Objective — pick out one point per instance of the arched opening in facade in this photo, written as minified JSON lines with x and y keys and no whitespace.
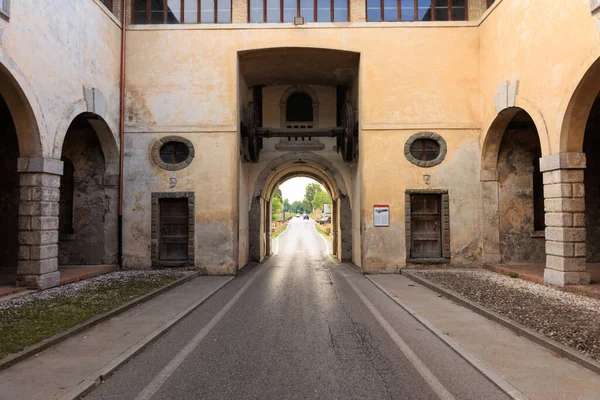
{"x":299,"y":111}
{"x":283,"y":169}
{"x":580,"y":133}
{"x":88,"y":203}
{"x":512,"y":191}
{"x":19,"y":137}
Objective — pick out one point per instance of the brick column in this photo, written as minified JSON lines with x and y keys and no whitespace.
{"x":38,"y":222}
{"x":564,"y":203}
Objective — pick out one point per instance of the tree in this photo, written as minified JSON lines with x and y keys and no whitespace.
{"x":320,"y":199}
{"x":276,"y":207}
{"x":286,"y":206}
{"x":296,"y":207}
{"x":278,"y":194}
{"x":311,"y":190}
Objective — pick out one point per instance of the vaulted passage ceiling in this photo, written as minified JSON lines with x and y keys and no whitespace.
{"x":296,"y":65}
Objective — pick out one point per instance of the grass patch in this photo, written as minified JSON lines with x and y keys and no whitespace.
{"x":30,"y":323}
{"x":279,"y":232}
{"x":322,"y":232}
{"x":513,"y":274}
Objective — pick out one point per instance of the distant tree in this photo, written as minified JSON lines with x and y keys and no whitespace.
{"x":320,"y":199}
{"x":296,"y":207}
{"x":286,"y":205}
{"x":311,"y":190}
{"x":276,"y":208}
{"x":278,"y":194}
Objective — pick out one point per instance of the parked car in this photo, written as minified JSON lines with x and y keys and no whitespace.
{"x":297,"y":215}
{"x":306,"y":216}
{"x":324,"y":220}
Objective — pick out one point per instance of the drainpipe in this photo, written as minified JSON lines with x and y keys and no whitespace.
{"x":121,"y":136}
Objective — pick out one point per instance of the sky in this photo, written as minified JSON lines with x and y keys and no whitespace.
{"x":294,"y":189}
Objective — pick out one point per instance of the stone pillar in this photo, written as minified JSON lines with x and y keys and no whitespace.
{"x":564,"y":203}
{"x":345,"y":215}
{"x":490,"y":230}
{"x":38,"y":222}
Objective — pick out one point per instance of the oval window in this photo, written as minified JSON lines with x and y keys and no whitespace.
{"x":174,"y":152}
{"x":425,"y":149}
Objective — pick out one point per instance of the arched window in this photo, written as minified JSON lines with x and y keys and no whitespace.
{"x":67,"y":186}
{"x":299,"y":108}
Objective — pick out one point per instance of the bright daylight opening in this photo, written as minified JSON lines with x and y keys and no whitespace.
{"x":303,"y":205}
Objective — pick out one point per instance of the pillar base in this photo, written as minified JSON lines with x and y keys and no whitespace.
{"x":562,"y":278}
{"x":39,"y":282}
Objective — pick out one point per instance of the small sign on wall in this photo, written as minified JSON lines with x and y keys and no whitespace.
{"x":381,"y":215}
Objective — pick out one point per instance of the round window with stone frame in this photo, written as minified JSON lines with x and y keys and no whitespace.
{"x":173,"y":153}
{"x":425,"y":149}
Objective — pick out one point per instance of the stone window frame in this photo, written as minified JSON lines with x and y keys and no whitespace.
{"x":156,"y":196}
{"x":426,"y":135}
{"x":172,"y":167}
{"x":445,"y":215}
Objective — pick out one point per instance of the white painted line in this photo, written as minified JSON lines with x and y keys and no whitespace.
{"x":322,"y":237}
{"x":167,"y":371}
{"x":461,"y":351}
{"x":431,"y":380}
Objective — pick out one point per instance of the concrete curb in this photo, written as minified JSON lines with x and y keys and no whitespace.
{"x":561,"y":350}
{"x":496,"y":379}
{"x":45,"y":344}
{"x":99,"y":376}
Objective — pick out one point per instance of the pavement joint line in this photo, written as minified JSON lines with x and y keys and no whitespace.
{"x":559,"y":349}
{"x":100,"y":375}
{"x":157,"y":382}
{"x":490,"y":374}
{"x":11,"y":360}
{"x":419,"y":365}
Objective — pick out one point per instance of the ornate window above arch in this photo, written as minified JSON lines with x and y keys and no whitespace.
{"x":425,"y":149}
{"x":299,"y":108}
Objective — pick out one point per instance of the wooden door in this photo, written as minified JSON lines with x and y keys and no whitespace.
{"x":426,"y":226}
{"x":173,"y":241}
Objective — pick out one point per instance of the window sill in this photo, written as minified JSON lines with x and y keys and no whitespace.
{"x":4,"y":15}
{"x":183,"y":263}
{"x":538,"y":234}
{"x":66,"y":237}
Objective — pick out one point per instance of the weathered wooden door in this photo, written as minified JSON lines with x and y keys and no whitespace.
{"x":173,"y":240}
{"x":426,"y":226}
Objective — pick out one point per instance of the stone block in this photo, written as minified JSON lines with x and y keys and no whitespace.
{"x":44,"y":223}
{"x":565,"y":249}
{"x":548,"y":178}
{"x":563,"y":161}
{"x":45,"y":194}
{"x":25,"y":193}
{"x":567,"y":176}
{"x":558,"y":219}
{"x":580,"y":250}
{"x":488,"y":175}
{"x":578,"y":219}
{"x":34,"y":208}
{"x":43,"y":252}
{"x":24,"y":252}
{"x":39,"y":282}
{"x":565,"y":234}
{"x":40,"y":165}
{"x":46,"y":180}
{"x":562,"y":278}
{"x":34,"y":238}
{"x":556,"y":190}
{"x":564,"y":205}
{"x":37,"y":267}
{"x":566,"y":263}
{"x":24,"y":223}
{"x":578,"y":190}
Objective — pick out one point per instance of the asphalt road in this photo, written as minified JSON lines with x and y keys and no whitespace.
{"x":298,"y":326}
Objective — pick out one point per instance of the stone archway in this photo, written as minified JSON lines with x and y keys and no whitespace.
{"x":512,"y":190}
{"x":283,"y":168}
{"x":89,"y":193}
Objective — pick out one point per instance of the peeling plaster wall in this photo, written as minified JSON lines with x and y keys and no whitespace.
{"x":515,"y":195}
{"x":54,"y":48}
{"x":386,"y":176}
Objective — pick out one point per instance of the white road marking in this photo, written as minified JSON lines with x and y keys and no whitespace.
{"x":167,"y":371}
{"x":322,"y":237}
{"x":431,"y":380}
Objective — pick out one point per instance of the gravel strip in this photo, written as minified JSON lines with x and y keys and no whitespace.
{"x":73,"y":289}
{"x":568,"y":318}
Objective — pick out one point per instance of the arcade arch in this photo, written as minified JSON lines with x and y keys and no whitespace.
{"x":88,"y":194}
{"x":512,"y":191}
{"x":290,"y":166}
